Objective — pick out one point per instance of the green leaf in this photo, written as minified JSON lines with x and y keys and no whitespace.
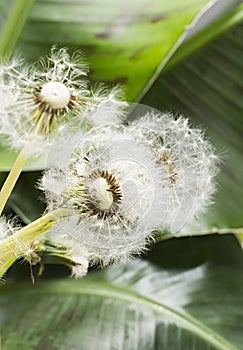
{"x":136,"y":44}
{"x":205,"y":35}
{"x":208,"y":88}
{"x":66,"y":27}
{"x":136,"y":306}
{"x":13,"y":15}
{"x":125,"y":41}
{"x":8,"y":157}
{"x":26,"y":200}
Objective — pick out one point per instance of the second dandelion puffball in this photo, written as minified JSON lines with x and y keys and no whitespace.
{"x":111,"y":188}
{"x":119,"y":183}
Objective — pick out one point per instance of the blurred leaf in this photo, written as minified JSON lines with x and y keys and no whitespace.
{"x":135,"y":43}
{"x":208,"y":88}
{"x":8,"y":157}
{"x":26,"y":200}
{"x":199,"y":39}
{"x":138,"y":44}
{"x":125,"y":41}
{"x":13,"y":15}
{"x":188,"y":252}
{"x":135,"y":306}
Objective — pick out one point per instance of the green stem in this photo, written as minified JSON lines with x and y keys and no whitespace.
{"x":12,"y":179}
{"x":16,"y":245}
{"x":16,"y":18}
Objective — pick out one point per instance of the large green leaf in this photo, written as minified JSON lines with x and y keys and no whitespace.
{"x":199,"y":35}
{"x":125,"y":41}
{"x":138,"y":44}
{"x":135,"y":44}
{"x":136,"y":306}
{"x":70,"y":18}
{"x":208,"y":88}
{"x":26,"y":200}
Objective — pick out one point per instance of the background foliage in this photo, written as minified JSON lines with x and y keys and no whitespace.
{"x":183,"y":56}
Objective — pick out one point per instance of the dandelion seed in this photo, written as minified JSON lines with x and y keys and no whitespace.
{"x":80,"y":268}
{"x":105,"y":105}
{"x":30,"y":252}
{"x":80,"y":258}
{"x":7,"y":228}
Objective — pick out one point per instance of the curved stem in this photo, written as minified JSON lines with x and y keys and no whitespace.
{"x":12,"y":179}
{"x":16,"y":245}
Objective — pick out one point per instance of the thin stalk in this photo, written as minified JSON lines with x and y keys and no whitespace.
{"x":17,"y":16}
{"x":12,"y":179}
{"x":16,"y":245}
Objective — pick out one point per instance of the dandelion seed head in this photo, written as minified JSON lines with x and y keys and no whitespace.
{"x":109,"y":187}
{"x":55,"y":94}
{"x":120,"y":182}
{"x":188,"y":164}
{"x":39,"y":99}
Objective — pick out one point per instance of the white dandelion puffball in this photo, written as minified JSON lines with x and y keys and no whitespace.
{"x":37,"y":100}
{"x":111,"y":187}
{"x":188,"y":164}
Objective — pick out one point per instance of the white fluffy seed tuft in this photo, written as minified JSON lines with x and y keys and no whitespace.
{"x":111,"y":185}
{"x":188,"y":164}
{"x":55,"y":94}
{"x":37,"y":100}
{"x":121,"y":183}
{"x":99,"y":192}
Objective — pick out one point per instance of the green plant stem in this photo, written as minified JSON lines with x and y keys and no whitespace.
{"x":16,"y":245}
{"x":15,"y":21}
{"x":12,"y":179}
